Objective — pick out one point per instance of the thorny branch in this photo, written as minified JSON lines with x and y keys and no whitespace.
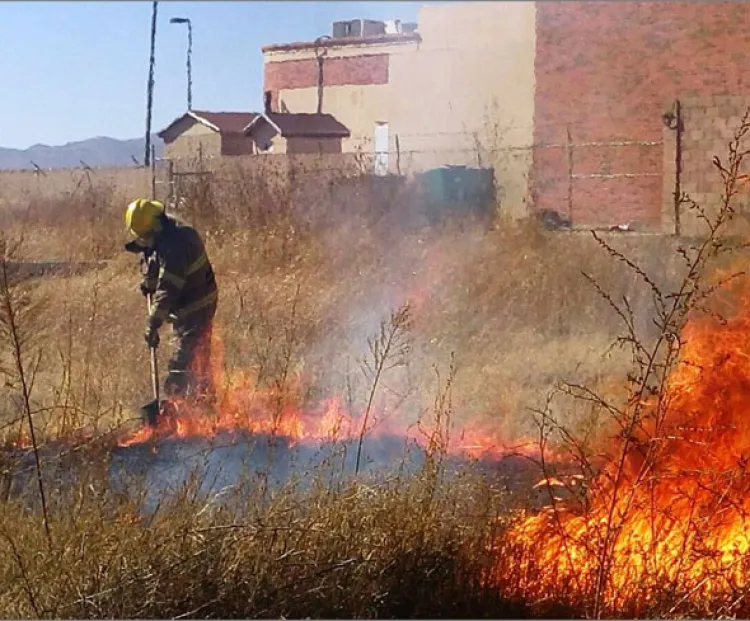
{"x":653,"y":360}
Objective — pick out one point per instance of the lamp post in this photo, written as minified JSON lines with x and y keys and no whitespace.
{"x":320,"y":53}
{"x":150,"y":85}
{"x":185,"y":20}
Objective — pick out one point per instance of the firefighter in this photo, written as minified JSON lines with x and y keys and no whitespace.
{"x":181,"y":281}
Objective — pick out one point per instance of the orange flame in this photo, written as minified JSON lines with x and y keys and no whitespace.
{"x":670,"y":511}
{"x":242,"y":406}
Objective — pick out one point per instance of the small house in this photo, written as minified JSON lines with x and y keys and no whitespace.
{"x":207,"y":134}
{"x":296,"y":133}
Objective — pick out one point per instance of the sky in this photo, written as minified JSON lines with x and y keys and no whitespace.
{"x":76,"y":70}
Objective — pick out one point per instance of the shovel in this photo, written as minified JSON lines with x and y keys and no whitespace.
{"x":150,"y":411}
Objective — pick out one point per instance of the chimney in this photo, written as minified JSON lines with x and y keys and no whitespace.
{"x":267,"y":97}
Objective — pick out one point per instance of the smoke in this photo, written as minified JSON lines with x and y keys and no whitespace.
{"x":217,"y":468}
{"x":390,"y":266}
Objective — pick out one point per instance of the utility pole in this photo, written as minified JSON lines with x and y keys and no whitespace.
{"x":150,"y":91}
{"x":185,"y":20}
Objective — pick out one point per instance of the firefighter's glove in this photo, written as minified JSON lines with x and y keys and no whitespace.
{"x":148,"y":286}
{"x":152,"y":335}
{"x":150,"y":273}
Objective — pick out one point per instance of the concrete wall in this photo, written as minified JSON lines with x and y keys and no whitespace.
{"x":313,"y":145}
{"x":464,"y":95}
{"x":606,"y":72}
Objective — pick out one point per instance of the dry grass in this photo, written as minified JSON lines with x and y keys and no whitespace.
{"x":299,"y":298}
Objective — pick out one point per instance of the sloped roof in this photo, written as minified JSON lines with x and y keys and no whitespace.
{"x":222,"y":122}
{"x":301,"y":125}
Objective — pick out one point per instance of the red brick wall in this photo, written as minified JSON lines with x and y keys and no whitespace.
{"x":607,"y":71}
{"x":290,"y":74}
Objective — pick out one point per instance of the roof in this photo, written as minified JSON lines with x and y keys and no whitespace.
{"x":222,"y":122}
{"x":302,"y":124}
{"x":342,"y":41}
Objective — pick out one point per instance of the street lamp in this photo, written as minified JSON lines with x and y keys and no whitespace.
{"x":320,"y":54}
{"x":185,"y":20}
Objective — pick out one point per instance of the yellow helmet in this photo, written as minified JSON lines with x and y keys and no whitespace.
{"x":142,"y":217}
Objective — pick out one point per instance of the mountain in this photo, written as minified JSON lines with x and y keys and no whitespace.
{"x":97,"y":152}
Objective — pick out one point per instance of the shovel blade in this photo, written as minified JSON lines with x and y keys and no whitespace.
{"x":150,"y":412}
{"x":156,"y":410}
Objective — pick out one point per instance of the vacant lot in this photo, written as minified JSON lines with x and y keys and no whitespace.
{"x":498,"y":315}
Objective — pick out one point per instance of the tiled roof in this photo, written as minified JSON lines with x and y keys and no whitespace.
{"x":307,"y":124}
{"x":227,"y":122}
{"x":224,"y":122}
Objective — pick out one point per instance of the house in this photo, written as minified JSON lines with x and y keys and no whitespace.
{"x":275,"y":132}
{"x":207,"y":134}
{"x":457,"y":89}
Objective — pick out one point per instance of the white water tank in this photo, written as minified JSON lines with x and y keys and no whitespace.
{"x":393,"y":26}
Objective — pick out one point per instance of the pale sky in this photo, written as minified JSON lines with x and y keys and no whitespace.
{"x":76,"y":70}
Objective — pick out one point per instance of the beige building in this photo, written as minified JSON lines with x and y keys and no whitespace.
{"x":296,"y":134}
{"x":458,"y":90}
{"x":199,"y":134}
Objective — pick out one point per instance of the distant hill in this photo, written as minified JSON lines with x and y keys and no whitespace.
{"x":96,"y":152}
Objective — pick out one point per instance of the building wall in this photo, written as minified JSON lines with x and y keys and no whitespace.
{"x":236,"y":144}
{"x":355,"y":81}
{"x":192,"y":137}
{"x":357,"y":107}
{"x":709,"y":125}
{"x":263,"y":133}
{"x":464,"y":95}
{"x":607,"y":71}
{"x":313,"y":145}
{"x":467,"y":95}
{"x":303,"y":72}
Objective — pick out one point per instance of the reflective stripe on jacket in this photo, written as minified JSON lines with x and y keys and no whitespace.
{"x":186,"y":281}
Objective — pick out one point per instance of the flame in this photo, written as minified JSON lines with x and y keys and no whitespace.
{"x":669,"y":512}
{"x":244,"y":407}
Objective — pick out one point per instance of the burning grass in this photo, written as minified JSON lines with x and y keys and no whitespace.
{"x":325,"y":343}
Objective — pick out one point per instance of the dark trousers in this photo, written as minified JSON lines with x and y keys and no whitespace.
{"x":190,"y":375}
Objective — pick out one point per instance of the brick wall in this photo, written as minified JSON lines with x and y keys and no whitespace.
{"x":709,"y":125}
{"x":303,"y":73}
{"x":608,"y":71}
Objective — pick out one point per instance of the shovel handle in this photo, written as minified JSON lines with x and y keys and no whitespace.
{"x":154,"y":365}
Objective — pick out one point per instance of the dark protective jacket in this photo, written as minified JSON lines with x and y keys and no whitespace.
{"x":182,"y":277}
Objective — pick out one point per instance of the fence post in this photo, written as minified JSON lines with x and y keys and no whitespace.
{"x":569,"y":156}
{"x":172,"y":198}
{"x":398,"y":156}
{"x":678,"y":166}
{"x":153,"y":172}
